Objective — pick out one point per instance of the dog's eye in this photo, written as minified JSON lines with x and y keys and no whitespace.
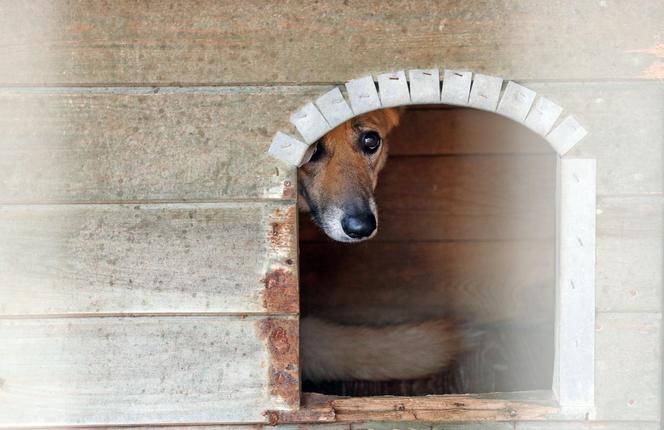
{"x":370,"y":141}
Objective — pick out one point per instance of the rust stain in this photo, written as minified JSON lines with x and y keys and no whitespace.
{"x":288,"y":192}
{"x":281,"y":292}
{"x":281,"y":336}
{"x":656,"y":69}
{"x":282,"y":234}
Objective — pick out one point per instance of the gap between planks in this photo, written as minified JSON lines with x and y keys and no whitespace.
{"x":239,"y":315}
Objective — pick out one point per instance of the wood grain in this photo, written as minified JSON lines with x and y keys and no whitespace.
{"x":451,"y":408}
{"x":180,"y":42}
{"x":426,"y":130}
{"x":629,"y":254}
{"x":147,"y":258}
{"x":110,"y":147}
{"x":463,"y":198}
{"x":626,"y":132}
{"x":628,"y":384}
{"x":474,"y":281}
{"x":104,"y":371}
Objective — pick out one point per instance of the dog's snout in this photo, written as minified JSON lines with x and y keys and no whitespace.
{"x":359,"y":226}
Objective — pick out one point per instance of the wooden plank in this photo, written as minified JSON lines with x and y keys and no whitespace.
{"x":457,"y":131}
{"x":629,"y":254}
{"x":157,"y":370}
{"x":575,"y":285}
{"x":625,"y":128}
{"x":148,"y":258}
{"x":103,"y":146}
{"x":587,"y":425}
{"x":429,"y":279}
{"x":628,"y":368}
{"x":468,"y":407}
{"x":463,"y":198}
{"x":210,"y":42}
{"x":420,"y":425}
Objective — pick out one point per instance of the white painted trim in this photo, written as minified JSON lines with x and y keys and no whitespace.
{"x":574,"y":373}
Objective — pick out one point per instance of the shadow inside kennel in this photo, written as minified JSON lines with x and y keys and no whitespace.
{"x":466,"y":231}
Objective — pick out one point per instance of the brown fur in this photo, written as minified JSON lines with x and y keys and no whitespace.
{"x":363,"y":342}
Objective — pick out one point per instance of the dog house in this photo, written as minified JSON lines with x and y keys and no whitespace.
{"x":149,"y":266}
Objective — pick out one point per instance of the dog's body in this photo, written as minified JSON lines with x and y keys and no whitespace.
{"x":363,"y":342}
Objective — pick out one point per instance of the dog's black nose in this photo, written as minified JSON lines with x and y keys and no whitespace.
{"x":359,"y":226}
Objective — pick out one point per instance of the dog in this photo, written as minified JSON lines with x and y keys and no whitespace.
{"x":336,"y":187}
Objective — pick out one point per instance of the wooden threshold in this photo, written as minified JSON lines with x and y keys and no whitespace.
{"x":525,"y":405}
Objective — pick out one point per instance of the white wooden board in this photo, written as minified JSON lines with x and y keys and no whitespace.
{"x":575,"y":313}
{"x":98,"y":371}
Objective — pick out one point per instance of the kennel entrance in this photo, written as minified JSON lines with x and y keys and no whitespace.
{"x":568,"y":227}
{"x":466,"y":232}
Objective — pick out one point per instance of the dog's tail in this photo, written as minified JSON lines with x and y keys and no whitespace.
{"x":410,"y":350}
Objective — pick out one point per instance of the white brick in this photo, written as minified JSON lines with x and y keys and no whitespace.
{"x":290,"y":150}
{"x":363,"y":95}
{"x":567,"y":134}
{"x":542,"y":116}
{"x":424,"y":86}
{"x":310,"y":123}
{"x":334,"y":108}
{"x":456,"y":87}
{"x":485,"y":92}
{"x":393,"y":89}
{"x":516,"y":101}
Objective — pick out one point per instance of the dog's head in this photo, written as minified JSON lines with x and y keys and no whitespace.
{"x":336,"y":185}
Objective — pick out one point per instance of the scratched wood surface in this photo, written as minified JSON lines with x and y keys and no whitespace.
{"x":165,"y":147}
{"x":139,"y":370}
{"x":76,"y":259}
{"x":101,"y":147}
{"x":180,"y":42}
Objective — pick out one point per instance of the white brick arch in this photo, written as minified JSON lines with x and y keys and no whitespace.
{"x":459,"y":88}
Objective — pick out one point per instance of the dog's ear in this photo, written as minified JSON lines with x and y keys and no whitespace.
{"x":385,"y":119}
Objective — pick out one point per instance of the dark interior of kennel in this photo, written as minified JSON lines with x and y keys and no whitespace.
{"x":466,"y":205}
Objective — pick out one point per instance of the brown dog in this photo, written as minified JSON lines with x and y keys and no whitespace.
{"x":336,"y":186}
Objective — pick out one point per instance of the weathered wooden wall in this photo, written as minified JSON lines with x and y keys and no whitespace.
{"x":132,"y":139}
